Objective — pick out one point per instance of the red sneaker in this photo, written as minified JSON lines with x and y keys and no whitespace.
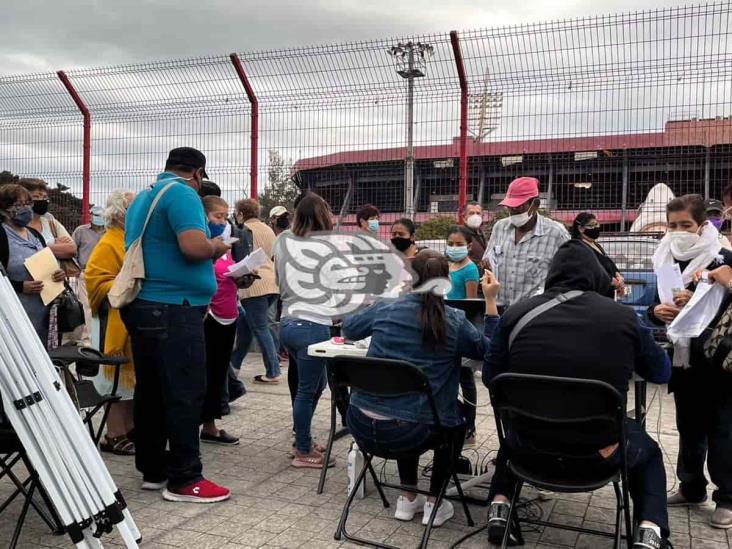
{"x":203,"y":491}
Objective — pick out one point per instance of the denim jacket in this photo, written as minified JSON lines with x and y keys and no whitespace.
{"x":396,"y":334}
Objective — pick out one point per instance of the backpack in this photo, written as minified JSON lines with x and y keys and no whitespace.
{"x":128,"y":282}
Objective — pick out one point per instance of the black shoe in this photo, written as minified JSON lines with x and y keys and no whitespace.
{"x":648,"y":539}
{"x":497,"y":519}
{"x":223,"y":438}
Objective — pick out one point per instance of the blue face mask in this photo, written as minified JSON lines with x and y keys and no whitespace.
{"x":97,"y":220}
{"x":374,"y":225}
{"x":216,"y":229}
{"x":456,"y":253}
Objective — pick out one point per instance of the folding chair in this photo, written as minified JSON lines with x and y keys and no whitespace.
{"x":86,"y":395}
{"x":12,"y":453}
{"x":390,"y":378}
{"x":541,"y":438}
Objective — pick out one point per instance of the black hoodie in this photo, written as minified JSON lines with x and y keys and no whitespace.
{"x":588,"y":337}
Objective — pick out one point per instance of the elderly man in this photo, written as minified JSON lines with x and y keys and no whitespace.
{"x":522,"y":246}
{"x":473,"y":217}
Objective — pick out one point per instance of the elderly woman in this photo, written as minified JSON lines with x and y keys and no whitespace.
{"x":18,"y":242}
{"x":108,"y":331}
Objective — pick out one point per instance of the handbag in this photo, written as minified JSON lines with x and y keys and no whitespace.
{"x":718,"y":346}
{"x":128,"y":282}
{"x":70,"y":311}
{"x":69,"y":266}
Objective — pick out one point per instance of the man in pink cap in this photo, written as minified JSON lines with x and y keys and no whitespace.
{"x":522,"y":246}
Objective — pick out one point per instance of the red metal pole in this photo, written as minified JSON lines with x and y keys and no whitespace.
{"x":463,"y":180}
{"x":86,"y":163}
{"x":254,"y":144}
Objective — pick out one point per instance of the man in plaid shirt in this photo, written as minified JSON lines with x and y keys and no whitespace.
{"x":522,"y":246}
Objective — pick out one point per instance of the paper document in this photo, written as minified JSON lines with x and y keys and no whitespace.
{"x":250,"y":263}
{"x":668,"y":279}
{"x":699,"y":312}
{"x":41,"y":266}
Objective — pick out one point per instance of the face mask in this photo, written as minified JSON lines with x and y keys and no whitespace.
{"x":401,"y":243}
{"x":374,"y":225}
{"x":282,"y":222}
{"x":681,"y":241}
{"x":216,"y":229}
{"x":717,"y":222}
{"x":98,"y":220}
{"x":22,"y":216}
{"x":40,"y":207}
{"x":519,"y":220}
{"x":474,"y":221}
{"x":456,"y":253}
{"x":593,"y":233}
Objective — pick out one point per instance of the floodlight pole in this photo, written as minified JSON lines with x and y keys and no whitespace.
{"x":409,"y":163}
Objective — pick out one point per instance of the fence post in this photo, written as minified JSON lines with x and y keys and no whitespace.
{"x":254,"y":141}
{"x":463,"y":178}
{"x":86,"y":161}
{"x":707,"y":168}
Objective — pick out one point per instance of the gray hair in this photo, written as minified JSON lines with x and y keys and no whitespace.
{"x":116,"y":209}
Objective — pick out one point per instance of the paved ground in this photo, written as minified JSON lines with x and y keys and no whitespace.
{"x":274,"y":505}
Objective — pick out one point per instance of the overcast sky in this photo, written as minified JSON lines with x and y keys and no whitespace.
{"x":45,"y":35}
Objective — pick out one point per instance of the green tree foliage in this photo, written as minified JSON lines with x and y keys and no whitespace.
{"x":280,"y":189}
{"x":436,"y":228}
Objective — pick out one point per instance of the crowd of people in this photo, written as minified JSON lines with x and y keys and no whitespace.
{"x":189,"y":329}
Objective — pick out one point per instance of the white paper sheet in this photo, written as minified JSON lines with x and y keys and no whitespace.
{"x":41,"y":266}
{"x":699,"y":312}
{"x":250,"y":263}
{"x":668,"y":279}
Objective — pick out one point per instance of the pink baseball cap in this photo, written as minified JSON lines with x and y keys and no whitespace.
{"x":520,"y":190}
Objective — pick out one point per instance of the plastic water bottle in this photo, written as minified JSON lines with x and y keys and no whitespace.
{"x":355,"y":464}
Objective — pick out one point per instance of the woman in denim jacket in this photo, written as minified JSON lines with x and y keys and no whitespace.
{"x":435,"y":343}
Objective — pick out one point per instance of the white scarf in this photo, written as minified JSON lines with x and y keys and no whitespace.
{"x":701,"y":254}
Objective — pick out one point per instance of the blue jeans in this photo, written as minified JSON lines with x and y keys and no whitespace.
{"x":258,"y":319}
{"x":296,"y":336}
{"x":169,"y":349}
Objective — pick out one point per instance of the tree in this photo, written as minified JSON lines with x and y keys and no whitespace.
{"x":436,"y":228}
{"x":7,"y":177}
{"x":281,"y":189}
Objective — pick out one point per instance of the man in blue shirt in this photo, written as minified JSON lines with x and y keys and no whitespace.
{"x":165,"y":323}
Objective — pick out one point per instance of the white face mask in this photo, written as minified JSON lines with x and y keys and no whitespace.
{"x":682,"y":241}
{"x":519,"y":220}
{"x":474,"y":221}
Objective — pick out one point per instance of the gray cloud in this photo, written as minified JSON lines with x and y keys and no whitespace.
{"x":42,"y":35}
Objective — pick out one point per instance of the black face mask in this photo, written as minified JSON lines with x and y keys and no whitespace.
{"x":401,"y":244}
{"x":40,"y":207}
{"x":282,"y":222}
{"x":593,"y":233}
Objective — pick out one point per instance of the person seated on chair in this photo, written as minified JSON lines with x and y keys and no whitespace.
{"x":434,"y":344}
{"x":586,"y":337}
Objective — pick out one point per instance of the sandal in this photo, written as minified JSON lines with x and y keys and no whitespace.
{"x":119,"y":446}
{"x":319,"y":448}
{"x":267,"y":380}
{"x":313,"y":460}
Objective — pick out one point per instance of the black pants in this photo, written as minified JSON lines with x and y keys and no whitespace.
{"x":393,"y":437}
{"x":704,"y":422}
{"x":470,"y":396}
{"x":219,"y":343}
{"x":170,"y":367}
{"x":646,"y":476}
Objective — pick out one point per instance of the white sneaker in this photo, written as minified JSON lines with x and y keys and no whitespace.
{"x":405,"y":509}
{"x":444,"y":513}
{"x":153,"y":486}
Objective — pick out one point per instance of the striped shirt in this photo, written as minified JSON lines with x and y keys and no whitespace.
{"x":521,"y":267}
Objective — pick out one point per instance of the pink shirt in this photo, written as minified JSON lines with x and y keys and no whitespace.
{"x":224,"y":305}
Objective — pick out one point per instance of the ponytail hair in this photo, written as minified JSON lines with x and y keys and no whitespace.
{"x":429,"y":264}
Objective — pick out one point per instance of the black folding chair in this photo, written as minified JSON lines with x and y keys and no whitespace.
{"x":390,"y":378}
{"x":541,"y":438}
{"x":87,"y":398}
{"x":12,"y":454}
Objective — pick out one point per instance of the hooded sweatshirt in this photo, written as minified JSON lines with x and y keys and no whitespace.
{"x":588,"y":337}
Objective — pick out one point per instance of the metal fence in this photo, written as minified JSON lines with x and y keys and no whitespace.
{"x":602,"y":110}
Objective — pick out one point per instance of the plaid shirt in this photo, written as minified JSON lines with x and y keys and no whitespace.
{"x":522,"y":268}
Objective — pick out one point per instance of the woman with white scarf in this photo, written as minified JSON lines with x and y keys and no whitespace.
{"x":703,"y":398}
